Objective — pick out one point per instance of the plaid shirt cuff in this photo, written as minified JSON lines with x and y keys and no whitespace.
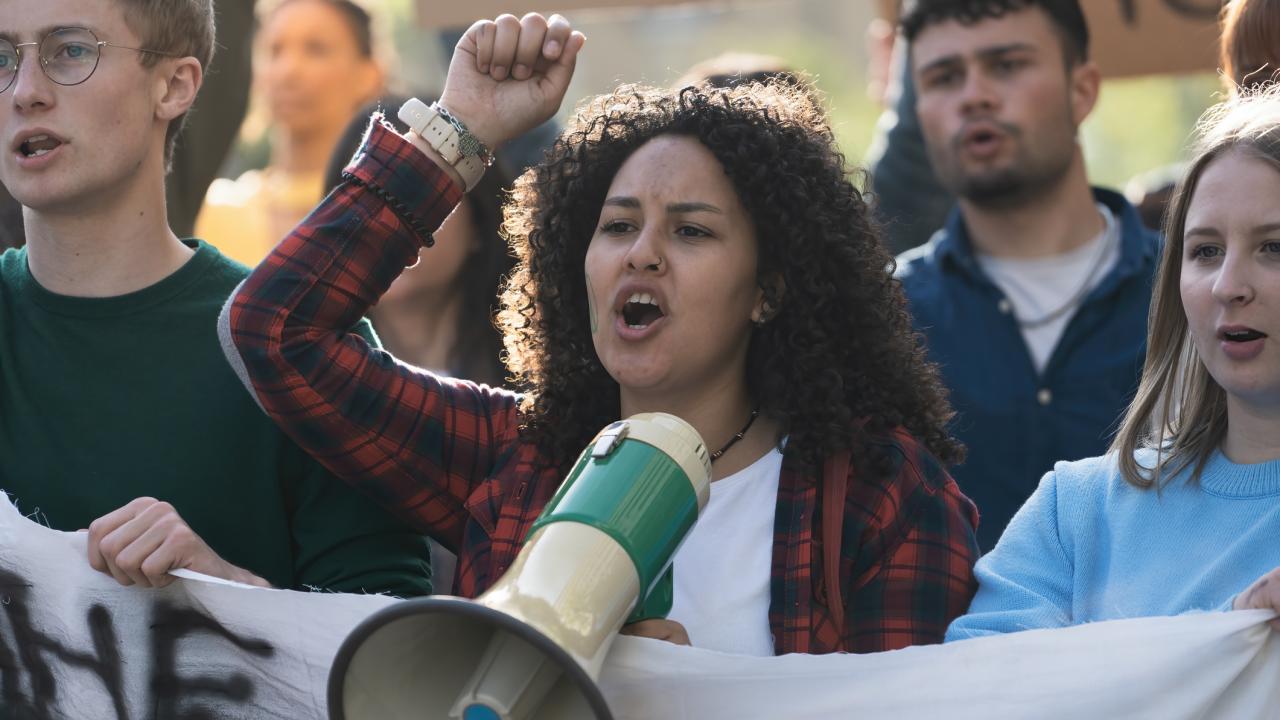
{"x":412,"y":185}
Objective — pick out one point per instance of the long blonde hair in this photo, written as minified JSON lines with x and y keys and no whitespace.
{"x":1180,"y":411}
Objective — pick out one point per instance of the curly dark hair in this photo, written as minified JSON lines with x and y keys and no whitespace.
{"x":837,"y":362}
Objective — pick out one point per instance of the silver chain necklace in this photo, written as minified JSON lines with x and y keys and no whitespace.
{"x":1080,"y":293}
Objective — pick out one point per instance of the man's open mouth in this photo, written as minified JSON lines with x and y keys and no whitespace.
{"x":38,"y":145}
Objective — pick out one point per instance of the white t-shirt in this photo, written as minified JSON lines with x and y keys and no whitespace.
{"x":723,"y":570}
{"x":1036,"y":287}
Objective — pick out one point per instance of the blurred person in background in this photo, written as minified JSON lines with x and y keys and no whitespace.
{"x":215,"y":118}
{"x":1250,"y":54}
{"x":1249,"y":58}
{"x":315,"y":66}
{"x":1033,"y":299}
{"x":909,"y":202}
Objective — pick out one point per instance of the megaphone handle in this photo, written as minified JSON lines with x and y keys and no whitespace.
{"x":657,"y":604}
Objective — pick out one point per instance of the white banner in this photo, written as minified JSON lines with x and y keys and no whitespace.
{"x":74,"y":644}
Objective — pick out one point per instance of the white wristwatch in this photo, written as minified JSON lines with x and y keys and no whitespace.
{"x":449,"y":137}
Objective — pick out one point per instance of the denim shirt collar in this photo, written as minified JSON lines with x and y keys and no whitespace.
{"x":954,"y":250}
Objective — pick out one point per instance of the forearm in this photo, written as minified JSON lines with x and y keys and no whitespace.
{"x":294,"y":314}
{"x":370,"y":420}
{"x":339,"y":261}
{"x":1027,"y":581}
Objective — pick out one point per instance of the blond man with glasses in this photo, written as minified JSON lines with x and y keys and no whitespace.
{"x":117,"y":411}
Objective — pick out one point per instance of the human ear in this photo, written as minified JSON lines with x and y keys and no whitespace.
{"x":1086,"y":82}
{"x":768,"y":298}
{"x":177,"y":86}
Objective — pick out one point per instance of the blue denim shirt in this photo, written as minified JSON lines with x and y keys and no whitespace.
{"x":1015,"y":421}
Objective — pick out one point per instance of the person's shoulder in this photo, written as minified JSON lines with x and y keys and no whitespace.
{"x":1096,"y":477}
{"x":910,"y":483}
{"x":920,"y":259}
{"x":921,"y":274}
{"x":219,"y":274}
{"x":912,"y":462}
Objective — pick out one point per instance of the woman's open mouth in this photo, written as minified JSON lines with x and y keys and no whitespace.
{"x":1241,"y":343}
{"x":641,"y":311}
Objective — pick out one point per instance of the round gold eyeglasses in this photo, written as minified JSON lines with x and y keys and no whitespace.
{"x":68,"y":56}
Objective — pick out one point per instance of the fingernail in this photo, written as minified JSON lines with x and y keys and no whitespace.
{"x":484,"y":68}
{"x":520,"y":72}
{"x":551,"y":49}
{"x":499,"y":72}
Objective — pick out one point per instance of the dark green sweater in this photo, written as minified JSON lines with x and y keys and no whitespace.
{"x":103,"y":400}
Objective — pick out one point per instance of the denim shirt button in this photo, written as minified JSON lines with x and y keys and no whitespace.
{"x":1045,"y":396}
{"x":1004,"y":306}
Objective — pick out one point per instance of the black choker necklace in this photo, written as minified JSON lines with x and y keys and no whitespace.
{"x":716,"y":455}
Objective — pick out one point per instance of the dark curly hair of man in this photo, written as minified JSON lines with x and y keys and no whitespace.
{"x":835,"y":365}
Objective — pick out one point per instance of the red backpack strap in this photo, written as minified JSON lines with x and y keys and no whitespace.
{"x":835,"y":487}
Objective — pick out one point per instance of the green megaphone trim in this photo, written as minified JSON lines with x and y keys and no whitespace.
{"x":648,"y":516}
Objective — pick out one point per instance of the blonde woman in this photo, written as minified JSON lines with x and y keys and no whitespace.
{"x":1184,"y":512}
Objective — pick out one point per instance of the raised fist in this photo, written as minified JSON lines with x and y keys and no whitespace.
{"x":510,"y":74}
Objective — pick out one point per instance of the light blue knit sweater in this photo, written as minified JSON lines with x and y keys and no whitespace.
{"x":1088,"y":546}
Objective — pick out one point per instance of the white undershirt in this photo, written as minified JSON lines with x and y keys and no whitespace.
{"x":1036,"y":287}
{"x":724,"y":567}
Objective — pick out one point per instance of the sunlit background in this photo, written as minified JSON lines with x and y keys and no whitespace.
{"x":1141,"y":124}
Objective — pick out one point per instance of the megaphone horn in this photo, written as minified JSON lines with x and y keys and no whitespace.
{"x":531,"y":647}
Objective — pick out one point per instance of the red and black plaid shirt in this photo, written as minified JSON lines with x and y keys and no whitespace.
{"x":448,"y":456}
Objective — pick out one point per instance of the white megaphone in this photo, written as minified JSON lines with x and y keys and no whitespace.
{"x":531,"y":647}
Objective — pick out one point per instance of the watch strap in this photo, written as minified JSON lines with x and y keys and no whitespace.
{"x":440,"y":131}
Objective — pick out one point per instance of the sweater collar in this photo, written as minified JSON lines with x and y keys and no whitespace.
{"x":195,"y":266}
{"x":1225,"y":478}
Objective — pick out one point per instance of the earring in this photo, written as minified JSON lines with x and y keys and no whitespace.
{"x":763,"y":316}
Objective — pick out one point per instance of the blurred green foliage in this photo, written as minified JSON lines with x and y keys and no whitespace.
{"x":1144,"y":123}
